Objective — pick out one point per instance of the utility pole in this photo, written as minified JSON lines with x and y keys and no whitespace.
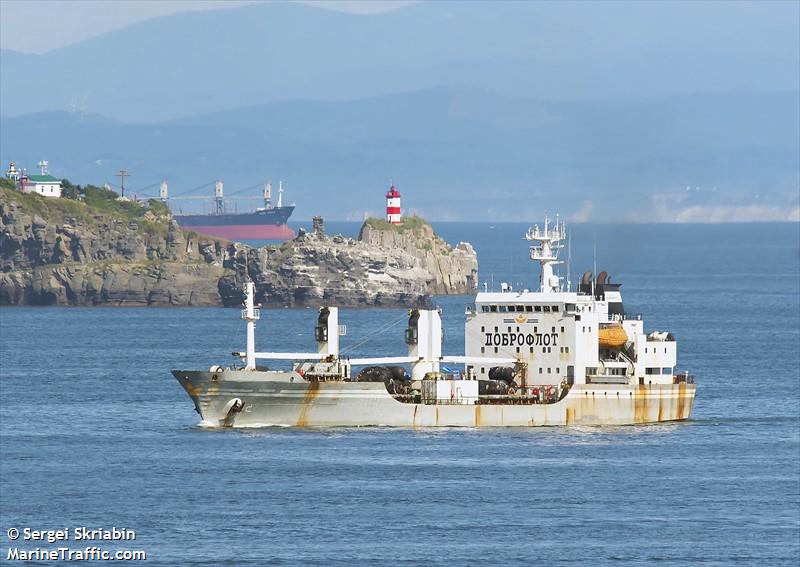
{"x":122,"y":175}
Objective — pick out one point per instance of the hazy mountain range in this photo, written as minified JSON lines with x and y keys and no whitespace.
{"x":600,"y":110}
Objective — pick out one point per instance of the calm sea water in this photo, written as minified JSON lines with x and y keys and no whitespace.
{"x":95,"y":432}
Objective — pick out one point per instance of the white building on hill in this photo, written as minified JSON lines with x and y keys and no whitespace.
{"x":44,"y":184}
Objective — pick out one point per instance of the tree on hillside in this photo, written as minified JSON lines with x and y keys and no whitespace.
{"x":70,"y":191}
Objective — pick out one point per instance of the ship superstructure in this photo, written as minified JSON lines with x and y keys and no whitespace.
{"x":578,"y":337}
{"x":555,"y":356}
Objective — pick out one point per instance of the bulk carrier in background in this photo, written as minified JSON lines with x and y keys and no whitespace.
{"x":268,"y":222}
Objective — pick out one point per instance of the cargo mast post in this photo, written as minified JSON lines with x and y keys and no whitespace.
{"x":250,"y":314}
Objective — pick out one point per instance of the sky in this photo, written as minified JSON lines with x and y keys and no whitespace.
{"x":633,"y":108}
{"x":60,"y":23}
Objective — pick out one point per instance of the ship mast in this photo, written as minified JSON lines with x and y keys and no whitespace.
{"x":546,"y":252}
{"x":267,"y":195}
{"x":250,"y":314}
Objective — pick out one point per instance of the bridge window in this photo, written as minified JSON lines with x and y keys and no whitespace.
{"x":555,"y":308}
{"x":485,"y":308}
{"x":493,"y":308}
{"x":537,"y":308}
{"x":529,"y":308}
{"x":651,"y":371}
{"x":666,"y":371}
{"x":547,"y":309}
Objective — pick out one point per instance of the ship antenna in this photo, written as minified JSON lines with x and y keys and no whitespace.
{"x":280,"y":194}
{"x":569,"y":260}
{"x":594,"y":255}
{"x":546,"y":252}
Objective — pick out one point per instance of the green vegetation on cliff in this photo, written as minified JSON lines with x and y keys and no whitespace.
{"x":92,"y":204}
{"x":409,"y":223}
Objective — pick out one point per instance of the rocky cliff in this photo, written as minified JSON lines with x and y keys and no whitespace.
{"x":63,"y":252}
{"x":385,"y":266}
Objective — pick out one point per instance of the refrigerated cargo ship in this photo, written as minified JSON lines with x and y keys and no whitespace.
{"x":560,"y":355}
{"x":265,"y":223}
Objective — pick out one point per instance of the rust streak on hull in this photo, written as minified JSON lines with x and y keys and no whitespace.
{"x":640,"y":405}
{"x":682,"y":401}
{"x":308,"y":399}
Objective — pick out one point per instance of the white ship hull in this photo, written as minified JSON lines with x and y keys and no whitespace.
{"x":240,"y":398}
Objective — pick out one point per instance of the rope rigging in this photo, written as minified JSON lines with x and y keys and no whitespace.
{"x":374,"y":333}
{"x":193,"y":189}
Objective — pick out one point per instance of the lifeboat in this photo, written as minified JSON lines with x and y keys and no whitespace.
{"x":612,"y":336}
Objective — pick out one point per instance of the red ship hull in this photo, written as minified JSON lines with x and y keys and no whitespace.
{"x":246,"y":232}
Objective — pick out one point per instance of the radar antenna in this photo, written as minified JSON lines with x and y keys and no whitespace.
{"x":546,"y":252}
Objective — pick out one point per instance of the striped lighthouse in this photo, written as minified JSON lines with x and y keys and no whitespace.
{"x":393,"y":206}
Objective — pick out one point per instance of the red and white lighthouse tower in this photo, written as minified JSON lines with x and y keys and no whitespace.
{"x":393,"y":206}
